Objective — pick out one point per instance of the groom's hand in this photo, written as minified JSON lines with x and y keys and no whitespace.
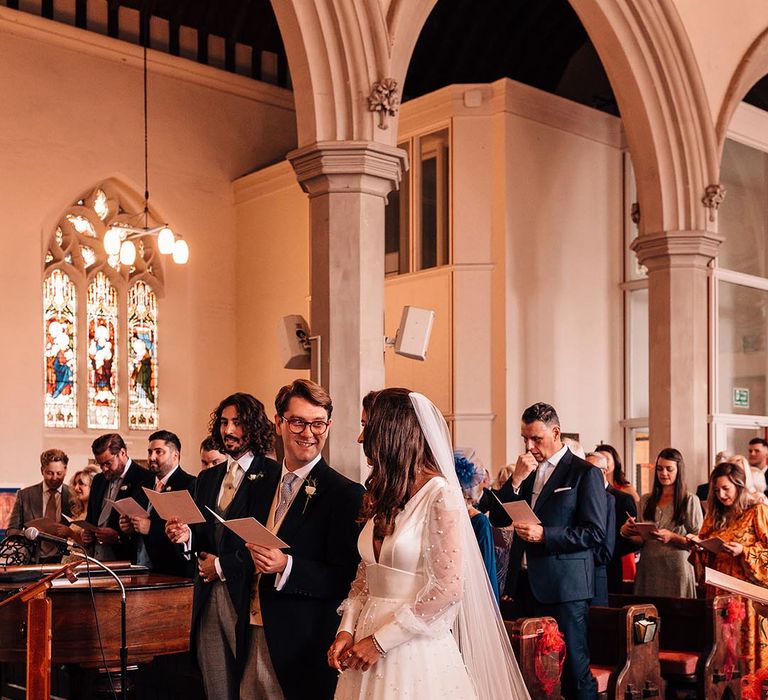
{"x":267,"y":561}
{"x":339,"y":647}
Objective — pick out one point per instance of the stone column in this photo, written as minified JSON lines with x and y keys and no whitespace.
{"x":347,"y":183}
{"x":678,"y":337}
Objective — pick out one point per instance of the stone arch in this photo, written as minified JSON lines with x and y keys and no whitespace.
{"x":337,"y":49}
{"x":752,"y":67}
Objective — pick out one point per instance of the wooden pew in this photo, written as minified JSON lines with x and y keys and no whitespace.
{"x":692,"y":648}
{"x":524,"y":634}
{"x":625,"y":664}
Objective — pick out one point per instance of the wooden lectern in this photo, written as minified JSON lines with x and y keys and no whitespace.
{"x":39,"y":619}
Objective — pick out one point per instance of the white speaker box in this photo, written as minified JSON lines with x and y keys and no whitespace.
{"x":412,"y":337}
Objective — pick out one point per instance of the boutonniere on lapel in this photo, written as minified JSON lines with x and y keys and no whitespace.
{"x":256,"y":476}
{"x":167,"y":488}
{"x":310,"y":489}
{"x":124,"y":487}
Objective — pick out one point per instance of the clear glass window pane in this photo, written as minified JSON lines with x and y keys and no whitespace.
{"x":742,"y":358}
{"x":433,"y":242}
{"x":397,"y":225}
{"x":737,"y":439}
{"x":637,"y":349}
{"x":743,"y":215}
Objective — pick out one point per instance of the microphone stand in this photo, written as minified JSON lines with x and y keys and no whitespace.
{"x":123,"y":632}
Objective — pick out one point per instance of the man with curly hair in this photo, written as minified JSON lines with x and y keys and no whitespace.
{"x":240,"y":429}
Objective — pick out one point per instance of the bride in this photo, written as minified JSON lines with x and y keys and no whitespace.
{"x":420,"y":619}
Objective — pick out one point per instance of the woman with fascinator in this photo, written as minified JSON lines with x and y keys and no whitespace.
{"x":420,"y":619}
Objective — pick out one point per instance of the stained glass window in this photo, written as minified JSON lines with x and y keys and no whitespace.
{"x":142,"y":357}
{"x":112,"y":343}
{"x":60,"y":321}
{"x":102,"y":353}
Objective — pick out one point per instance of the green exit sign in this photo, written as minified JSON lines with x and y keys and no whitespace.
{"x":740,"y":398}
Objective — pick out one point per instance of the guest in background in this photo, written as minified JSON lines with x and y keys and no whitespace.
{"x":664,"y":568}
{"x":48,"y":499}
{"x":743,"y":528}
{"x":574,"y":446}
{"x":615,"y":474}
{"x":80,"y":491}
{"x":605,"y":553}
{"x":503,"y":476}
{"x":471,"y":481}
{"x":757,"y":453}
{"x":760,"y":486}
{"x":210,"y":455}
{"x":755,"y":493}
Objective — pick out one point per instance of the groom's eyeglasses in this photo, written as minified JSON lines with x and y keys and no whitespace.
{"x":298,"y":425}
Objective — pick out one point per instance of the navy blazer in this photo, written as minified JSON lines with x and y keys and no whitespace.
{"x":572,"y":509}
{"x":625,"y":506}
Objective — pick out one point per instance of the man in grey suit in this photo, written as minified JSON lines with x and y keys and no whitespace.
{"x":48,"y":499}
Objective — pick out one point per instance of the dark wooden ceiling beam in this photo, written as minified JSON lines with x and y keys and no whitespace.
{"x":145,"y":20}
{"x":81,"y":14}
{"x":243,"y":8}
{"x":113,"y":18}
{"x":174,"y":26}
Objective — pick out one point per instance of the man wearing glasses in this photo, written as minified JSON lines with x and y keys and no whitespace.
{"x":314,"y":509}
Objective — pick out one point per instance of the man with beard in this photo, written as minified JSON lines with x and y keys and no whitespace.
{"x":120,"y":477}
{"x":240,"y":429}
{"x":48,"y":499}
{"x":152,"y":546}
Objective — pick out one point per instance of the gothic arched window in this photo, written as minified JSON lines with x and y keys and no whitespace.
{"x":100,"y":320}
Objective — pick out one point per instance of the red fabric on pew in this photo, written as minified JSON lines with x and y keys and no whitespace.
{"x":678,"y":663}
{"x":602,"y":675}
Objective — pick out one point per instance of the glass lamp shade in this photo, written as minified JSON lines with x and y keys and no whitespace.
{"x":127,"y":253}
{"x":180,"y":252}
{"x":112,"y":241}
{"x":166,"y":241}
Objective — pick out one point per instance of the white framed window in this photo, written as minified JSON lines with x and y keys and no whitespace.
{"x":418,"y":215}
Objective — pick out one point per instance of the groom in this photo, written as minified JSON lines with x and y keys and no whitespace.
{"x":314,"y":509}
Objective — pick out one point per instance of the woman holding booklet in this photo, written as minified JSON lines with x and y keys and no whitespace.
{"x":670,"y":513}
{"x":734,"y":541}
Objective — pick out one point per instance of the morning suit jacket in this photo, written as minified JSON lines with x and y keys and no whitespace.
{"x":235,"y":560}
{"x":624,"y":506}
{"x":135,"y":478}
{"x":300,"y":620}
{"x":572,"y":510}
{"x":166,"y":557}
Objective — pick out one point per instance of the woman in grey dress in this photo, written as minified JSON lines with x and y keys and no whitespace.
{"x":663,"y":568}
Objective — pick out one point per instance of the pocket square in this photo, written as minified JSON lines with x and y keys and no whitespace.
{"x":564,"y":488}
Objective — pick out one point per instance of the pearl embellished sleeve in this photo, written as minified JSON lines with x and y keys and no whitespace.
{"x":434,"y":609}
{"x":353,"y":604}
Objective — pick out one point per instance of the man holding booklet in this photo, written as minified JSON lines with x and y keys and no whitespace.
{"x":551,"y":564}
{"x":146,"y":527}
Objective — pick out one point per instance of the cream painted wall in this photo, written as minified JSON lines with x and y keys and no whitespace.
{"x":71,"y":117}
{"x":272,"y":271}
{"x":563,"y":232}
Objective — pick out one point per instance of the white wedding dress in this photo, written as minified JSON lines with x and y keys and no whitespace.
{"x":409,"y":599}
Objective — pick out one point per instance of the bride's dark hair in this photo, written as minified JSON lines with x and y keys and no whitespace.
{"x":395,"y":445}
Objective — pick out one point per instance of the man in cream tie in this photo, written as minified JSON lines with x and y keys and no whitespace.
{"x":295,"y":596}
{"x":551,"y":564}
{"x":220,"y":607}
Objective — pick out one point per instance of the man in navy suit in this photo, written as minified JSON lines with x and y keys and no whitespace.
{"x":551,"y":567}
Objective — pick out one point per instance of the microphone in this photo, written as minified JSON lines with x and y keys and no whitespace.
{"x":32,"y":533}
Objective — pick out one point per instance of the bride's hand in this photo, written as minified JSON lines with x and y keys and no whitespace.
{"x":362,"y":655}
{"x":340,"y":645}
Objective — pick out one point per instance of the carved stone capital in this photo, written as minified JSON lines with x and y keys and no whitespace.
{"x":348,"y":166}
{"x":713,"y":198}
{"x":384,"y":99}
{"x":668,"y":249}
